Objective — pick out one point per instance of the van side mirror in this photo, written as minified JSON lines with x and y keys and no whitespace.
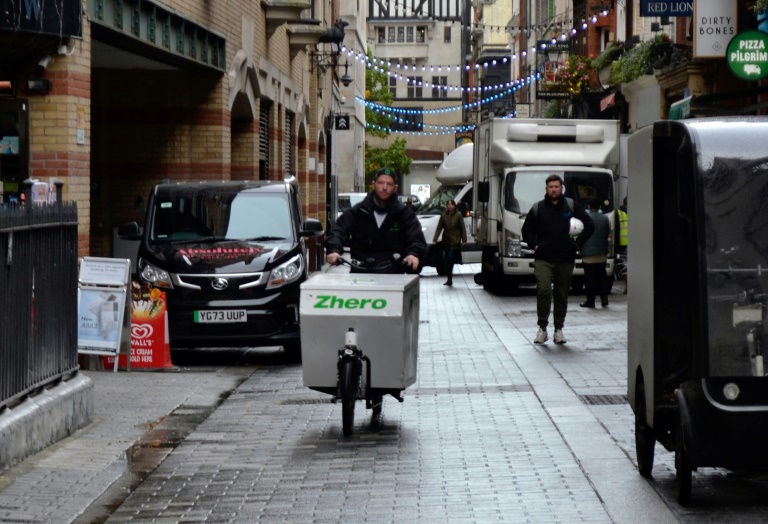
{"x":312,"y":227}
{"x":483,"y":192}
{"x":129,"y":231}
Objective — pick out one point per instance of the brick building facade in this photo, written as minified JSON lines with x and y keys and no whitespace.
{"x":152,"y":91}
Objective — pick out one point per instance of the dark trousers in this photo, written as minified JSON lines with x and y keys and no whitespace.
{"x":595,"y":281}
{"x":452,"y":257}
{"x":553,"y":281}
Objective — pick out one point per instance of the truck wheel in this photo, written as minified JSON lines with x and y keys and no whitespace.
{"x":683,"y":468}
{"x":486,"y":271}
{"x":645,"y":442}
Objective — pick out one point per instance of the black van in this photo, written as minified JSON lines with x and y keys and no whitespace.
{"x":230,"y":257}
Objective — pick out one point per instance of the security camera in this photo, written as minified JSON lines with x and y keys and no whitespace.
{"x":43,"y":63}
{"x":346,"y":80}
{"x":343,"y":99}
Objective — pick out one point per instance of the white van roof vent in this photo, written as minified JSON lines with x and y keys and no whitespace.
{"x":580,"y":133}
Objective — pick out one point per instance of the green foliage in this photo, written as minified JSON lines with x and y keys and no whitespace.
{"x":760,"y":5}
{"x":635,"y":62}
{"x":394,"y":156}
{"x":377,"y":91}
{"x":611,"y":53}
{"x":377,"y":124}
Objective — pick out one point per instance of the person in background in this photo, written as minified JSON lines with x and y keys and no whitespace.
{"x":409,"y":202}
{"x":622,"y":221}
{"x":594,"y":255}
{"x":451,"y":224}
{"x":546,"y":230}
{"x":378,"y":227}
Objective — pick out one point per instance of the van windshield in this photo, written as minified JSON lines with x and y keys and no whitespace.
{"x":524,"y":188}
{"x":187,"y":215}
{"x":438,"y":202}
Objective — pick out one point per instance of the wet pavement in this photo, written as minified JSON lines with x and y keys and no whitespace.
{"x":496,"y":429}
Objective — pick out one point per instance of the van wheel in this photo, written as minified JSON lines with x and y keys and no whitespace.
{"x":292,"y":351}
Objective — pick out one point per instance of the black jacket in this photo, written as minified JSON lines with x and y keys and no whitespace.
{"x":549,"y":226}
{"x":399,"y":233}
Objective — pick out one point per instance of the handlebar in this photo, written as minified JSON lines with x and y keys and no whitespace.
{"x":396,"y":264}
{"x":745,"y":297}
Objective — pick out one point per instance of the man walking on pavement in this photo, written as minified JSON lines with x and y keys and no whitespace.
{"x":547,"y":230}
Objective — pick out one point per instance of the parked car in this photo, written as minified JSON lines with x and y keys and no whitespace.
{"x":415,"y":200}
{"x":230,"y":257}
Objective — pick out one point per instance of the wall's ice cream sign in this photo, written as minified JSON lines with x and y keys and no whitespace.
{"x":747,"y":55}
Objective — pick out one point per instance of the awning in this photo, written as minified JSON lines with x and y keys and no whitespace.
{"x":608,"y":101}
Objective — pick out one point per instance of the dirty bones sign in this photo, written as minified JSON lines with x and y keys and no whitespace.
{"x":747,"y":55}
{"x":714,"y":26}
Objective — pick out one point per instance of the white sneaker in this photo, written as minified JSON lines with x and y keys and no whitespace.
{"x":559,"y":338}
{"x":541,"y":336}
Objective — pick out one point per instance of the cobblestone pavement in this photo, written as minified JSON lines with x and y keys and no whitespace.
{"x":496,"y":429}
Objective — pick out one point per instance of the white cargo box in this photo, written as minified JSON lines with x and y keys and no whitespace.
{"x":382,"y":309}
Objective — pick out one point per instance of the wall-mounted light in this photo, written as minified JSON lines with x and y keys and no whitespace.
{"x":44,"y":62}
{"x":40,"y":86}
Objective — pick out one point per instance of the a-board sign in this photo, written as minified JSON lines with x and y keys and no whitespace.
{"x":101,"y":299}
{"x":104,"y":271}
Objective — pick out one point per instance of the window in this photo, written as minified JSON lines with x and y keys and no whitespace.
{"x":382,"y":34}
{"x":421,"y":34}
{"x":289,"y":143}
{"x":447,"y":34}
{"x":411,"y":121}
{"x":390,"y":34}
{"x":401,"y":34}
{"x":409,"y":34}
{"x":414,"y":87}
{"x":439,"y":89}
{"x":393,"y":85}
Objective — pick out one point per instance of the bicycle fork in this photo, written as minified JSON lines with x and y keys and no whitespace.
{"x":351,"y":351}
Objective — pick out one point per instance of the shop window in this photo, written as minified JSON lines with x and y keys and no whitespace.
{"x":393,"y":86}
{"x":401,"y":34}
{"x":409,"y":34}
{"x":447,"y":34}
{"x":382,"y":34}
{"x":391,"y":34}
{"x":421,"y":34}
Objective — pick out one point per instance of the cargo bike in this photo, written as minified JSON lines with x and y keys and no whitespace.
{"x":697,"y":298}
{"x":359,"y":337}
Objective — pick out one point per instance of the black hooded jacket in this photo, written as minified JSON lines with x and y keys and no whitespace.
{"x":549,"y":227}
{"x":399,"y":233}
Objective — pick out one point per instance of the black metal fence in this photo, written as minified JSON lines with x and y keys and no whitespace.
{"x":38,"y":297}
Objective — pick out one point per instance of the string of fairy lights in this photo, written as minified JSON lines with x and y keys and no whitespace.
{"x":400,"y":71}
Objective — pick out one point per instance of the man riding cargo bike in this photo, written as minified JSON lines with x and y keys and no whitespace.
{"x":376,"y":303}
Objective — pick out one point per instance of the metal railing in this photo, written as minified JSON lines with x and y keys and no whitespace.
{"x":38,"y":297}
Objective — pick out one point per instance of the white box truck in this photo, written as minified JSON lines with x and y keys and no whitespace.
{"x":455,"y":178}
{"x":512,"y":159}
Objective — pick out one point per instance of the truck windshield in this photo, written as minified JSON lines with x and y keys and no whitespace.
{"x":438,"y":202}
{"x":218,"y":214}
{"x":524,"y":188}
{"x":735,"y":220}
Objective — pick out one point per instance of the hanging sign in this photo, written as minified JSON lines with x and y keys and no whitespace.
{"x":747,"y":55}
{"x":714,"y":25}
